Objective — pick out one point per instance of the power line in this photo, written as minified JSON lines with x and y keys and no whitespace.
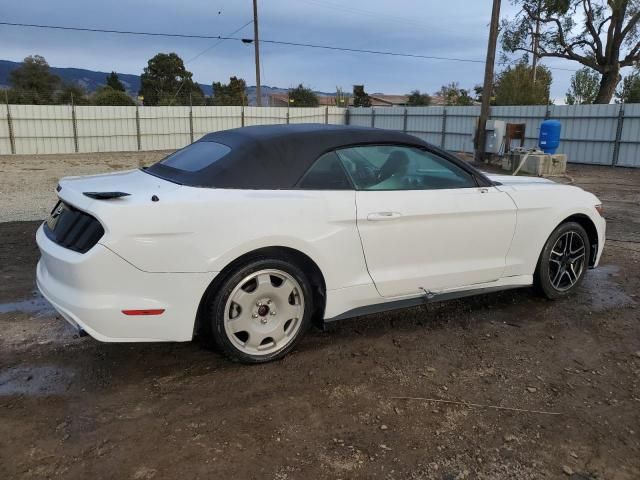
{"x":219,"y":37}
{"x":121,"y":32}
{"x":274,"y":42}
{"x":218,"y":42}
{"x":205,"y":51}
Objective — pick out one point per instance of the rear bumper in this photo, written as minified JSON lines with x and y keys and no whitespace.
{"x":91,"y":290}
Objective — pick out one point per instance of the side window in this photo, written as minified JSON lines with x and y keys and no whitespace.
{"x":399,"y":167}
{"x":326,"y":174}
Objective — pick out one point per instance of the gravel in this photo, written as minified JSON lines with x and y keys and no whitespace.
{"x":28,"y":182}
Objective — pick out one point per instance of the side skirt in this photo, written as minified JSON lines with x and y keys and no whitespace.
{"x":415,"y":301}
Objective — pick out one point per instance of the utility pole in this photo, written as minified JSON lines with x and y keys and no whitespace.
{"x":488,"y":82}
{"x":257,"y":50}
{"x":536,"y":36}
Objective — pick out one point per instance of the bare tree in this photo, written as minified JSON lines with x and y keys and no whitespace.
{"x":601,"y":35}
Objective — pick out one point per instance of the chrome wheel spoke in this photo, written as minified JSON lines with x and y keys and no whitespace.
{"x":578,"y":250}
{"x":575,"y":258}
{"x":241,"y":323}
{"x":556,"y":254}
{"x":567,"y":242}
{"x":284,"y":291}
{"x":277,"y":333}
{"x":245,"y":300}
{"x":254,"y":340}
{"x":288,"y":311}
{"x":263,"y":283}
{"x":573,"y":276}
{"x":577,"y":254}
{"x":557,"y":277}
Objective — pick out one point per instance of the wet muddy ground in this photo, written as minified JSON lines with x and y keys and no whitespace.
{"x":74,"y":408}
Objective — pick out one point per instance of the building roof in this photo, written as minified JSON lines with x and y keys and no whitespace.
{"x":323,"y":100}
{"x":377,"y":100}
{"x":381,"y":100}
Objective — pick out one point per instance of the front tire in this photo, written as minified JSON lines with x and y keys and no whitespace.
{"x":261,"y":310}
{"x":564,"y":261}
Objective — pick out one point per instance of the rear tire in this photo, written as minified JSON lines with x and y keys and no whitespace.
{"x":260,"y":310}
{"x":563,"y":262}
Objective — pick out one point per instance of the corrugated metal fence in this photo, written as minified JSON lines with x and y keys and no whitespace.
{"x":592,"y":134}
{"x":35,"y":129}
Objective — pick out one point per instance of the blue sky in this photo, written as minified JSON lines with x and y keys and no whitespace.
{"x":455,"y":28}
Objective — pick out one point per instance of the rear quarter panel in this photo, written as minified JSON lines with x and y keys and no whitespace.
{"x":203,"y":230}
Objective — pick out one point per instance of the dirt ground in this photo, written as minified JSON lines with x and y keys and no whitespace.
{"x":75,"y":408}
{"x":28,"y":182}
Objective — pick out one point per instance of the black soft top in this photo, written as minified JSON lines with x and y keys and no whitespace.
{"x":274,"y":157}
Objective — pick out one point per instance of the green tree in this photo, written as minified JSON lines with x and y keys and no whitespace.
{"x":629,"y":91}
{"x":452,"y":94}
{"x":302,"y":97}
{"x":33,"y":82}
{"x":417,"y":99}
{"x":602,"y":36}
{"x":479,"y":89}
{"x":515,"y":86}
{"x":114,"y":82}
{"x":109,"y":96}
{"x":360,"y":97}
{"x":166,"y":81}
{"x":233,"y":93}
{"x":72,"y":93}
{"x":584,"y":87}
{"x":12,"y":96}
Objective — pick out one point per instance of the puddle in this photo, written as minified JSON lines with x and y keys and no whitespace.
{"x":603,"y":289}
{"x":35,"y":381}
{"x":32,"y":305}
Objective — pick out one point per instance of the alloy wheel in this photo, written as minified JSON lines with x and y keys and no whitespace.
{"x":566,"y":260}
{"x":264,"y":312}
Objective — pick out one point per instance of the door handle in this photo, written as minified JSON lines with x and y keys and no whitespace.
{"x":483,"y":190}
{"x":383,"y":216}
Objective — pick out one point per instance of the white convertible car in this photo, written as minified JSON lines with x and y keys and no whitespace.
{"x":252,"y":234}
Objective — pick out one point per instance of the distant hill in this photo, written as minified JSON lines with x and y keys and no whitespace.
{"x":91,"y":80}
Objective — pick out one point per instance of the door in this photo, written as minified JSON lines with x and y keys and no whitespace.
{"x":423,"y":221}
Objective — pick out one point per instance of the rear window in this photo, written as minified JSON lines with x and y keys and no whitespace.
{"x":196,"y":156}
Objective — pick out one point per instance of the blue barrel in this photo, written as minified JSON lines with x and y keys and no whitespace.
{"x":549,"y":136}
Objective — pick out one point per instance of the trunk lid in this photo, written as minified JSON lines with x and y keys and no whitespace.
{"x":138,"y":185}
